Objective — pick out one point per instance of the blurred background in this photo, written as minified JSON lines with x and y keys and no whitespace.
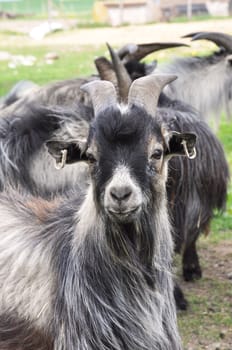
{"x":48,"y":40}
{"x":116,"y":12}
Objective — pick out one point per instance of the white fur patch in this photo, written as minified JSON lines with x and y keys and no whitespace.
{"x":121,"y":177}
{"x":88,"y":220}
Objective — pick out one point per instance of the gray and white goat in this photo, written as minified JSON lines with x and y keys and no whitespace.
{"x":25,"y":163}
{"x":204,"y":82}
{"x":93,"y":272}
{"x":58,"y":93}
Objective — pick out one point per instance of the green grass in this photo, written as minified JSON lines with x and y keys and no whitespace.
{"x":213,"y":306}
{"x":71,"y":63}
{"x":223,"y":223}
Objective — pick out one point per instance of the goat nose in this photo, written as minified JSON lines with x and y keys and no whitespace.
{"x":120,"y":193}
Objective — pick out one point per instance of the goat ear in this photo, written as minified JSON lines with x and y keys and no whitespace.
{"x":65,"y":153}
{"x":181,"y":144}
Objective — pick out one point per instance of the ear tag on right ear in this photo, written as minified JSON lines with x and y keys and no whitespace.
{"x":193,"y":154}
{"x":59,"y":164}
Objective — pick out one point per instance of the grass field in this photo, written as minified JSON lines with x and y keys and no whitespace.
{"x":208,"y":322}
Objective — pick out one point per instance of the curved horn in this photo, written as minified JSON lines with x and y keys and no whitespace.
{"x":128,"y":49}
{"x":145,"y":91}
{"x":137,"y":52}
{"x":220,"y":39}
{"x":106,"y":71}
{"x":123,"y":78}
{"x":190,"y":35}
{"x":102,"y":94}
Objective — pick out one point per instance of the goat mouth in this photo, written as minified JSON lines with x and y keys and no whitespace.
{"x":124,"y":215}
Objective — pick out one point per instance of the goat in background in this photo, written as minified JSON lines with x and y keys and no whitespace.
{"x":204,"y":82}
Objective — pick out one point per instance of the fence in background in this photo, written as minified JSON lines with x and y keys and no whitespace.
{"x":38,"y":7}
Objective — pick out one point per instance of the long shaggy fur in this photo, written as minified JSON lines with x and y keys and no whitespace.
{"x":24,"y":160}
{"x":97,"y":290}
{"x":59,"y":93}
{"x":26,"y":163}
{"x":99,"y":300}
{"x":203,"y":82}
{"x":196,"y":187}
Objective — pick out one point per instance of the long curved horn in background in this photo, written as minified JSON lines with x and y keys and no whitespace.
{"x":144,"y":92}
{"x":137,"y":52}
{"x":220,"y":39}
{"x":102,"y":94}
{"x":106,"y":71}
{"x":190,"y":35}
{"x":123,"y":78}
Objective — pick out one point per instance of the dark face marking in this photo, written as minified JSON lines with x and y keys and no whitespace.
{"x":126,"y":152}
{"x":126,"y":155}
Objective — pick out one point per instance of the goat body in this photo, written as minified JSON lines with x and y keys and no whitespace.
{"x":25,"y":162}
{"x":195,"y":187}
{"x":93,"y":271}
{"x":210,"y":95}
{"x":204,"y":82}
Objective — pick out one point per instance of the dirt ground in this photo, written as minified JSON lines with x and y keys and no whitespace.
{"x":116,"y":36}
{"x":210,"y":301}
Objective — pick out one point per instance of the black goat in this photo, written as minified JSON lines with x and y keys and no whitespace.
{"x":94,"y":272}
{"x":195,"y":188}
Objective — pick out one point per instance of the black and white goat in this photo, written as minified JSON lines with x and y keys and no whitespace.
{"x":204,"y":181}
{"x":94,"y":271}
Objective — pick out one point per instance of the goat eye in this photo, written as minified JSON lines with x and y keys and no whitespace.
{"x":157,"y":154}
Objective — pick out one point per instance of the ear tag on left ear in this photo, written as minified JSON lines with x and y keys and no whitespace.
{"x":60,"y":164}
{"x":193,"y":154}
